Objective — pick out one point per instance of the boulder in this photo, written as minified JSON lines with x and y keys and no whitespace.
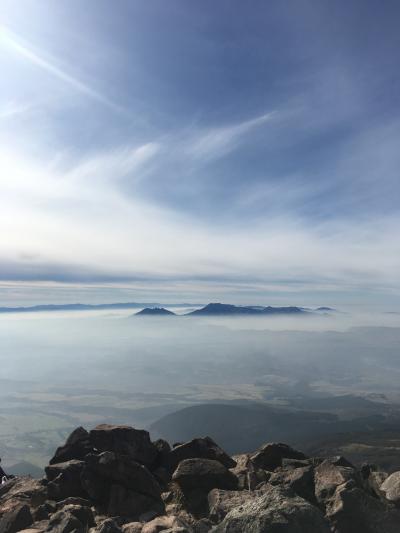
{"x":249,"y":477}
{"x":21,"y":491}
{"x":391,"y":488}
{"x":114,"y":468}
{"x":163,"y":523}
{"x":204,"y":475}
{"x":65,"y":522}
{"x":76,"y":447}
{"x":299,"y":480}
{"x":120,"y":485}
{"x":352,"y":510}
{"x":374,"y":482}
{"x":204,"y":448}
{"x":16,"y":519}
{"x":221,"y":502}
{"x":276,"y":511}
{"x":124,"y":440}
{"x":328,"y":476}
{"x":83,"y":513}
{"x":65,"y":480}
{"x":270,"y":456}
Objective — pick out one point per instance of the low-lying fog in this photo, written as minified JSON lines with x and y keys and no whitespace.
{"x":60,"y":370}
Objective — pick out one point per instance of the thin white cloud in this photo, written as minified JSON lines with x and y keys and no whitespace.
{"x":13,"y":42}
{"x":12,"y":109}
{"x":216,"y":142}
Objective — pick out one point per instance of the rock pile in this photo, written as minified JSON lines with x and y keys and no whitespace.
{"x":114,"y":479}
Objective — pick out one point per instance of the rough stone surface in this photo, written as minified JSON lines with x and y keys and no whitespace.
{"x":352,"y":510}
{"x":221,"y":502}
{"x":115,"y":487}
{"x":65,"y":479}
{"x":203,"y":474}
{"x":204,"y":448}
{"x":124,"y":440}
{"x":391,"y":488}
{"x":328,"y":476}
{"x":270,"y":456}
{"x":276,"y":511}
{"x":16,"y":520}
{"x":76,"y":447}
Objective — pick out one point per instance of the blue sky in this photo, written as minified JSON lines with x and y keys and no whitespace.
{"x":240,"y":151}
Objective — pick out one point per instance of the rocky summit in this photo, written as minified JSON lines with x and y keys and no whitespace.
{"x":114,"y":479}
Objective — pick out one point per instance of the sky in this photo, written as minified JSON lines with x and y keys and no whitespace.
{"x":192,"y":151}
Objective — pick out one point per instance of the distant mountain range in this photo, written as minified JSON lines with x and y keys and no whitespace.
{"x":155,"y":311}
{"x":151,"y":309}
{"x":218,"y":309}
{"x":87,"y":307}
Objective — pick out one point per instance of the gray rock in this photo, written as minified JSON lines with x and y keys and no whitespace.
{"x":120,"y":484}
{"x":132,"y":527}
{"x":204,"y":475}
{"x":300,"y":480}
{"x":276,"y":511}
{"x":163,"y":523}
{"x":64,"y":522}
{"x":270,"y":456}
{"x":65,"y":480}
{"x":204,"y":448}
{"x":76,"y":447}
{"x":391,"y":488}
{"x":352,"y":510}
{"x":124,"y":440}
{"x":109,"y":526}
{"x":16,"y":520}
{"x":221,"y":502}
{"x":328,"y":476}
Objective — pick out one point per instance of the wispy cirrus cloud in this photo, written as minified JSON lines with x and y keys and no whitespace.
{"x":217,"y":142}
{"x":13,"y":42}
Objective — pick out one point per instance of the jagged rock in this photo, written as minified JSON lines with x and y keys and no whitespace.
{"x":109,"y":526}
{"x":120,"y":485}
{"x":374,"y":482}
{"x":16,"y":519}
{"x":352,"y":510}
{"x":65,"y":522}
{"x":124,"y":440}
{"x":203,"y":474}
{"x":276,"y":511}
{"x":328,"y":476}
{"x":113,"y":468}
{"x":391,"y":488}
{"x":133,"y":527}
{"x":83,"y":513}
{"x":164,"y":523}
{"x":339,"y":460}
{"x":44,"y":511}
{"x":73,"y":500}
{"x":249,"y":477}
{"x":221,"y":502}
{"x":65,"y":479}
{"x":204,"y":448}
{"x":76,"y":447}
{"x":270,"y":456}
{"x":300,"y":480}
{"x":21,"y":491}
